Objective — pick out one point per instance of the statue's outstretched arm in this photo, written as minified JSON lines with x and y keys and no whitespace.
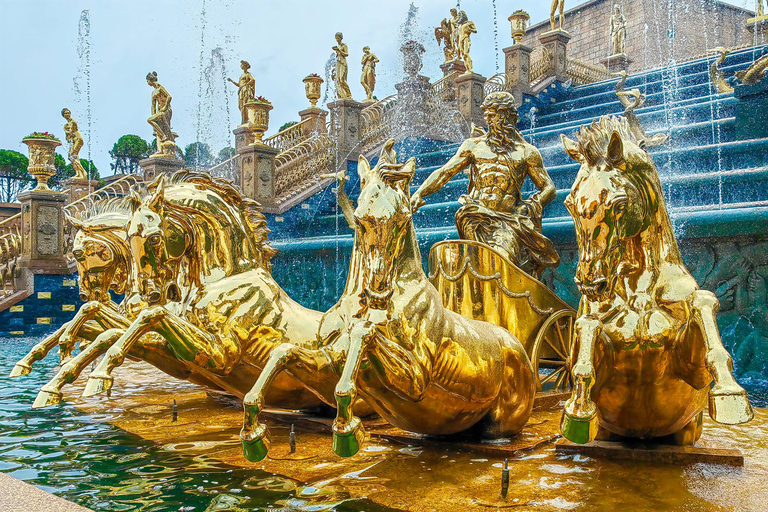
{"x":443,"y":175}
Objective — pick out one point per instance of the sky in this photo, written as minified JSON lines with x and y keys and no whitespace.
{"x":92,"y":56}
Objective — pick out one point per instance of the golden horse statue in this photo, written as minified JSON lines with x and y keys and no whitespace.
{"x":390,"y":340}
{"x":224,"y":317}
{"x":647,"y":345}
{"x":104,"y":261}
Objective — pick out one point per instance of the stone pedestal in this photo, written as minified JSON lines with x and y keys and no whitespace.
{"x":412,"y":100}
{"x":243,"y":137}
{"x":155,"y":166}
{"x":556,"y":42}
{"x":470,"y":96}
{"x":42,"y":240}
{"x":345,"y":123}
{"x":517,"y":69}
{"x":256,"y":165}
{"x":751,"y":110}
{"x":616,"y":63}
{"x":77,"y":188}
{"x":315,"y":118}
{"x":453,"y":67}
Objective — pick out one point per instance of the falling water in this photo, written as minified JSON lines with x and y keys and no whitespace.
{"x":496,"y":36}
{"x":533,"y":116}
{"x":84,"y":75}
{"x":330,"y":80}
{"x":409,"y":28}
{"x":714,"y":115}
{"x":200,"y":79}
{"x":214,"y":110}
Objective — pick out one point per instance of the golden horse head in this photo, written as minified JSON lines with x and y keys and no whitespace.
{"x":382,"y":217}
{"x":100,"y":249}
{"x":616,"y":196}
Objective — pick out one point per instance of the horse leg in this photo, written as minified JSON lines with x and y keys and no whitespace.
{"x":690,"y":433}
{"x":103,"y":314}
{"x":579,"y":423}
{"x":38,"y":352}
{"x":188,"y":343}
{"x":513,"y":407}
{"x":50,"y":394}
{"x":304,"y":364}
{"x":728,"y":401}
{"x":348,"y":431}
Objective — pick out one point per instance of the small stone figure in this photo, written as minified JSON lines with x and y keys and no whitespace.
{"x":368,"y":78}
{"x":633,"y":100}
{"x":493,"y":211}
{"x":466,"y":29}
{"x":342,"y":52}
{"x":246,"y":89}
{"x":75,"y":140}
{"x":444,"y":36}
{"x":454,"y":26}
{"x":618,"y":31}
{"x":552,"y":18}
{"x":161,"y":118}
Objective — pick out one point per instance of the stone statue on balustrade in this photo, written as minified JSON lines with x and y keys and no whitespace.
{"x":466,"y":29}
{"x":161,"y":119}
{"x":557,"y":4}
{"x":75,"y":140}
{"x":368,"y":78}
{"x":246,"y":89}
{"x":618,"y":31}
{"x":493,"y":211}
{"x":760,"y":9}
{"x":342,"y":52}
{"x":444,"y":36}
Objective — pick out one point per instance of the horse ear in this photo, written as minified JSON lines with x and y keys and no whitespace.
{"x":74,"y":222}
{"x":615,"y":153}
{"x":572,"y":148}
{"x":363,"y":170}
{"x":155,"y":202}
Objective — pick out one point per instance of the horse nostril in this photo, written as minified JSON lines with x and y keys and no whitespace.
{"x":154,"y":296}
{"x":78,"y":253}
{"x":84,"y":297}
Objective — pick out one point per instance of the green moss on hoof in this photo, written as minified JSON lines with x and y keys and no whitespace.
{"x":96,"y":385}
{"x":19,"y":370}
{"x":347,"y":444}
{"x":255,"y":450}
{"x":579,"y":430}
{"x":46,"y":399}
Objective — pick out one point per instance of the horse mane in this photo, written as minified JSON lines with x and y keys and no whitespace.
{"x":593,"y":139}
{"x":250,"y":210}
{"x":119,"y":206}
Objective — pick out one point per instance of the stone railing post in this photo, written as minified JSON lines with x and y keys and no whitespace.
{"x":469,"y":97}
{"x":315,"y":118}
{"x":42,"y":215}
{"x":345,"y":127}
{"x":154,"y":166}
{"x":556,"y":43}
{"x":517,"y":62}
{"x":78,"y":188}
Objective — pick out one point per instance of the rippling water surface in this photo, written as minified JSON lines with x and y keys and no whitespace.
{"x":82,"y":458}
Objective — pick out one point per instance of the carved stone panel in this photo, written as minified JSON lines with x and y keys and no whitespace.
{"x":47,"y":230}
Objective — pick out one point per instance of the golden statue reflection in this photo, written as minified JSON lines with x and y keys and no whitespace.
{"x":246,"y":89}
{"x":160,"y":120}
{"x":75,"y":140}
{"x":641,"y":308}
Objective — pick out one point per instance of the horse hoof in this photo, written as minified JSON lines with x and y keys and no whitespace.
{"x":579,"y":430}
{"x":256,"y":449}
{"x":19,"y":370}
{"x":730,"y":408}
{"x":46,"y":399}
{"x":348,"y":441}
{"x":97,"y":384}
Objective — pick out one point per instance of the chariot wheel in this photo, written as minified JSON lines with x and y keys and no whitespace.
{"x":551,"y":354}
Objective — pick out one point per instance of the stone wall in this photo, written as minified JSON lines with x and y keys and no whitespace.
{"x":697,"y":26}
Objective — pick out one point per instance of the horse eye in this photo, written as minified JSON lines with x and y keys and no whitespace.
{"x":154,"y":239}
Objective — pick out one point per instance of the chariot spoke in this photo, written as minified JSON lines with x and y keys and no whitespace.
{"x":557,"y":351}
{"x":552,"y":375}
{"x":551,"y":362}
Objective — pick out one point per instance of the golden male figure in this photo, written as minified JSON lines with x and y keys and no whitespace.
{"x":466,"y":29}
{"x":552,"y":15}
{"x":75,"y":140}
{"x":493,"y":210}
{"x":368,"y":78}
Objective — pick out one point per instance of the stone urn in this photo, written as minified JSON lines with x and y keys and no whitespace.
{"x":42,"y":154}
{"x":412,"y":55}
{"x":312,"y":85}
{"x":519,"y":21}
{"x":258,"y":118}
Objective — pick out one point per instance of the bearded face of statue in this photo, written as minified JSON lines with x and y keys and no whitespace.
{"x":501,"y":126}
